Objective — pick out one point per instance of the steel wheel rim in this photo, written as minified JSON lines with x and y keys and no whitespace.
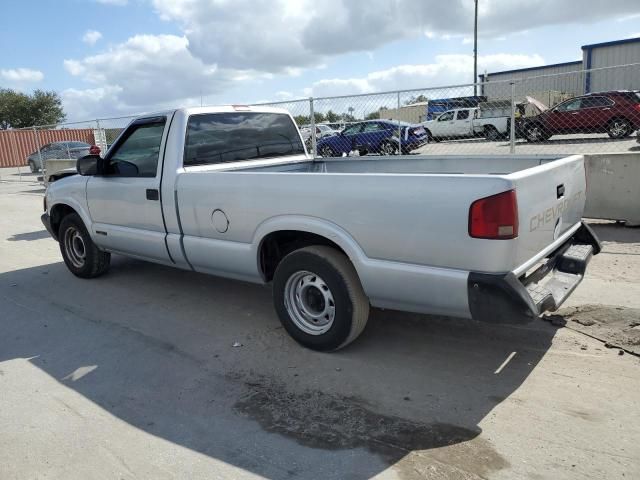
{"x":309,"y":302}
{"x":388,"y":149}
{"x":534,"y":133}
{"x":618,"y":129}
{"x":326,"y":151}
{"x":74,"y":247}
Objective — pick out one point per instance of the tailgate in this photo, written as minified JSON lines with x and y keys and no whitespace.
{"x":551,"y":200}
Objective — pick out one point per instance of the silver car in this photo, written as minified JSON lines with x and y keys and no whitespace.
{"x":59,"y":150}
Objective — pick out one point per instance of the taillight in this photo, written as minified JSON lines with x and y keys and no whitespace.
{"x":94,"y":150}
{"x":637,"y":107}
{"x":494,"y":217}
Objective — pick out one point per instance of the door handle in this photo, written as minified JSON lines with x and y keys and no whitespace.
{"x":604,"y":109}
{"x":575,"y":113}
{"x":152,"y":194}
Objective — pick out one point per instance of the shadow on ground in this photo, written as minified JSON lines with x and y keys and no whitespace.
{"x":615,"y":232}
{"x":29,"y":236}
{"x":161,"y":341}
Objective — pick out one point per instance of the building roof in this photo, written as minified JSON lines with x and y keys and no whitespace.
{"x":611,"y":44}
{"x":578,"y":62}
{"x":528,"y":69}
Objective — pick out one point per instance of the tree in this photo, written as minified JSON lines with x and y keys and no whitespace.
{"x":332,"y":117}
{"x":419,"y":99}
{"x":19,"y":110}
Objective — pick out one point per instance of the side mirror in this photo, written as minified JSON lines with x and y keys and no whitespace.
{"x":90,"y":165}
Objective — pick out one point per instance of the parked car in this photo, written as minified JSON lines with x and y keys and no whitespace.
{"x":374,"y":136}
{"x":68,"y":150}
{"x":616,"y":113}
{"x":230,"y":191}
{"x":321,"y":132}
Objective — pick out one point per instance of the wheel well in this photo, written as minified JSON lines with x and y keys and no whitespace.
{"x":58,"y":212}
{"x":619,"y":117}
{"x":277,"y":245}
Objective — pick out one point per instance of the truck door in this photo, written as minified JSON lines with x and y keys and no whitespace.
{"x":124,"y":203}
{"x":462,"y":124}
{"x":443,"y":126}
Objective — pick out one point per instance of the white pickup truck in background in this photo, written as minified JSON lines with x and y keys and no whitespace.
{"x":487,"y":120}
{"x":231,"y":191}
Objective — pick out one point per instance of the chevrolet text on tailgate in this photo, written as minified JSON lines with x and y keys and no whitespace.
{"x":231,"y":191}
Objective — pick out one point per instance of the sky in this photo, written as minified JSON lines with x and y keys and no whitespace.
{"x":119,"y":57}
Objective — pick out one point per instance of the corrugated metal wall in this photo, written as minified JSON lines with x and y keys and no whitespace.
{"x":623,"y":78}
{"x":16,"y":145}
{"x":572,"y":83}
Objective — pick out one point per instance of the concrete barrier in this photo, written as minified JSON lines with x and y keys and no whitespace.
{"x":613,"y":187}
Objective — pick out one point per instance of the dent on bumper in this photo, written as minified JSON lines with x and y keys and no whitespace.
{"x":505,"y":298}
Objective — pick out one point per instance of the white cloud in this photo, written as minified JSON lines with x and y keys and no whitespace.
{"x":447,"y":70}
{"x":272,"y":35}
{"x":21,"y":75}
{"x":90,"y":37}
{"x":147,"y":72}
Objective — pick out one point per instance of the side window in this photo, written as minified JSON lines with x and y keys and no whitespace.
{"x":569,"y":106}
{"x":237,"y":136}
{"x":594,"y":102}
{"x":445,"y":117}
{"x":462,"y":115}
{"x":350,"y":130}
{"x":372,"y":127}
{"x":137,"y":154}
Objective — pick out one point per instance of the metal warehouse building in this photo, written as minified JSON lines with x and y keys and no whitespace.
{"x":570,"y":78}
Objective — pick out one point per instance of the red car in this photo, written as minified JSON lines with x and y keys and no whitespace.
{"x":616,"y":113}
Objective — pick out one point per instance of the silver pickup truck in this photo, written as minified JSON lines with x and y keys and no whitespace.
{"x":231,"y":191}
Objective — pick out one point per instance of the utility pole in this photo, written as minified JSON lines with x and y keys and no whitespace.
{"x":475,"y":50}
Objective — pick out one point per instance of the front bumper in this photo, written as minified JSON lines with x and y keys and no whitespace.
{"x":505,"y":298}
{"x":46,"y":221}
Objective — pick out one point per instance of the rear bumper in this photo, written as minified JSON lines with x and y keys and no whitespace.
{"x":46,"y":221}
{"x":505,"y":298}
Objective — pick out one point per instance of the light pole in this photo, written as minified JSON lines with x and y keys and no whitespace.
{"x":475,"y":50}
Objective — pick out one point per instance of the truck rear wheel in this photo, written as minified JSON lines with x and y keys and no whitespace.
{"x":491,"y":133}
{"x":319,"y":299}
{"x":81,"y":256}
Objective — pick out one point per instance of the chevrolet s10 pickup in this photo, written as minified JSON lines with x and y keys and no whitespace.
{"x":232,"y":191}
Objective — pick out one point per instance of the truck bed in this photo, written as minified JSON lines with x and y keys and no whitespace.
{"x":405,"y":165}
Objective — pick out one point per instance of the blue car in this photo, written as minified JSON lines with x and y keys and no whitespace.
{"x":373,"y":136}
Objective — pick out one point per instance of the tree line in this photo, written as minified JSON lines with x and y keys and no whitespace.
{"x":19,"y":110}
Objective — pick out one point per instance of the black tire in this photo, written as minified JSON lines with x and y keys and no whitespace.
{"x":32,"y":166}
{"x":320,"y":266}
{"x":388,"y":148}
{"x":491,"y":133}
{"x":619,"y":128}
{"x":81,"y":256}
{"x":535,"y":133}
{"x":362,"y":152}
{"x":326,"y":151}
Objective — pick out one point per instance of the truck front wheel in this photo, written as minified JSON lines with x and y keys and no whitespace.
{"x":82,"y":257}
{"x":319,"y":298}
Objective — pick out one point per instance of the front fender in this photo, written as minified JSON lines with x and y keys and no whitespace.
{"x":70,"y":191}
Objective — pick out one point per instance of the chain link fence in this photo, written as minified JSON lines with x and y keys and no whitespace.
{"x":587,"y":111}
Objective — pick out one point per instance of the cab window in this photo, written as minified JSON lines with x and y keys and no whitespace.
{"x":136,"y":155}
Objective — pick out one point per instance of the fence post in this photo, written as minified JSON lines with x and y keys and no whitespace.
{"x":42,"y":168}
{"x":399,"y":127}
{"x":313,"y":128}
{"x":512,"y":126}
